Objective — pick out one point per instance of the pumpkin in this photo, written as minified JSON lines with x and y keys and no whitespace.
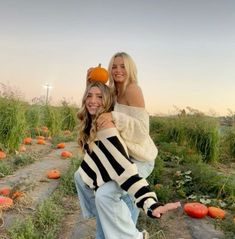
{"x":195,"y":209}
{"x":216,"y":212}
{"x":5,"y":191}
{"x":2,"y":155}
{"x":40,"y":137}
{"x":22,"y":148}
{"x":5,"y":202}
{"x":44,"y":129}
{"x":53,"y":173}
{"x":66,"y":154}
{"x":41,"y":141}
{"x":17,"y":194}
{"x":60,"y":145}
{"x":27,"y":140}
{"x":99,"y":74}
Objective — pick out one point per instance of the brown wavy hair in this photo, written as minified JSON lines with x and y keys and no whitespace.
{"x":87,"y":123}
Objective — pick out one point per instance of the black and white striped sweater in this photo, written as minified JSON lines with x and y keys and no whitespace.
{"x":109,"y":160}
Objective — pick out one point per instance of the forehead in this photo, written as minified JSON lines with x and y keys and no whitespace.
{"x":118,"y":60}
{"x":94,"y":90}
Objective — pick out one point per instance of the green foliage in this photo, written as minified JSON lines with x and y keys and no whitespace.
{"x":228,"y":142}
{"x":5,"y":168}
{"x":48,"y":216}
{"x":68,"y":115}
{"x":12,"y":122}
{"x":198,"y":132}
{"x":51,"y":119}
{"x":228,"y":227}
{"x":156,"y":175}
{"x":23,"y":159}
{"x":23,"y":230}
{"x":67,"y":184}
{"x":33,"y":118}
{"x":165,"y":193}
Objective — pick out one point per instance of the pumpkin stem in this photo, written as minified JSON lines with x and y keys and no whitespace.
{"x":99,"y":65}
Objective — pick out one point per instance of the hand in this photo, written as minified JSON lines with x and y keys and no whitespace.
{"x":104,"y":120}
{"x":88,"y":73}
{"x":163,"y":209}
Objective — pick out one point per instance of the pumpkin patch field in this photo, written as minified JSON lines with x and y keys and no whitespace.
{"x":39,"y":155}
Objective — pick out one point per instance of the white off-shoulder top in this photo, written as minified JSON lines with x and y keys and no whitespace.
{"x":133,"y":125}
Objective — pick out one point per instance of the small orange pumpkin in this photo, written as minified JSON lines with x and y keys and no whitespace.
{"x":40,"y":137}
{"x":22,"y":148}
{"x":44,"y":129}
{"x":5,"y":202}
{"x":66,"y":154}
{"x":99,"y":74}
{"x":53,"y":173}
{"x":41,"y":141}
{"x":5,"y":191}
{"x":196,"y":209}
{"x":27,"y":140}
{"x":17,"y":194}
{"x":2,"y":155}
{"x":216,"y":212}
{"x":60,"y":145}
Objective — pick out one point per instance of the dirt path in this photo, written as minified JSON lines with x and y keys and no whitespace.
{"x":176,"y":225}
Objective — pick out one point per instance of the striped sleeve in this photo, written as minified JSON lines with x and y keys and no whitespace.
{"x":109,"y":160}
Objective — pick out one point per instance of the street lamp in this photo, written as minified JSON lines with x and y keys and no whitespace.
{"x":48,"y":87}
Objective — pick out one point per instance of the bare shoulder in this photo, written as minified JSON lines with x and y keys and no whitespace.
{"x":134,"y":95}
{"x":107,"y":125}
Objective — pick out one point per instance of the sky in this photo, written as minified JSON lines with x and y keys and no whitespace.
{"x":184,"y":50}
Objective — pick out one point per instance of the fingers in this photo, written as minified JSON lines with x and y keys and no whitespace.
{"x":89,"y":72}
{"x":163,"y":209}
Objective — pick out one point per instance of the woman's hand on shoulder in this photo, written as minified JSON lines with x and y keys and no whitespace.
{"x":134,"y":96}
{"x":105,"y":120}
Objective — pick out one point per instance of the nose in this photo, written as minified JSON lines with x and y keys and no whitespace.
{"x":93,"y":99}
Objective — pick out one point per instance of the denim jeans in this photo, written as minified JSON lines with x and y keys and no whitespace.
{"x":115,"y":211}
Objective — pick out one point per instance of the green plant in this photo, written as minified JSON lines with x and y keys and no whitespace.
{"x":23,"y":229}
{"x":68,"y":116}
{"x":12,"y":122}
{"x":5,"y":169}
{"x":23,"y":159}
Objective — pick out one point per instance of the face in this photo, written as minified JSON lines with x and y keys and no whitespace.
{"x":118,"y":70}
{"x":94,"y":100}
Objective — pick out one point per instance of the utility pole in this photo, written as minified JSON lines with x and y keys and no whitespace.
{"x":48,"y":87}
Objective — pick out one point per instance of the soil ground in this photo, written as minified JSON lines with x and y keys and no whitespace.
{"x":176,"y":225}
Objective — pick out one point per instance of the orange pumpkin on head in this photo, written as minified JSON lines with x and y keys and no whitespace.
{"x":99,"y":74}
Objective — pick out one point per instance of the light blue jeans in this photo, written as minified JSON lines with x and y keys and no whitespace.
{"x":115,"y":211}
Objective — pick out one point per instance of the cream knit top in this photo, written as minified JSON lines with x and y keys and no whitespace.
{"x":133,"y":126}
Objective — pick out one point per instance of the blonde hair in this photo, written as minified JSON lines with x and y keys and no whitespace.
{"x":130,"y":67}
{"x":87,"y":124}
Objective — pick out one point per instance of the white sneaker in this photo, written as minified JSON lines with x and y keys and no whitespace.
{"x":145,"y":234}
